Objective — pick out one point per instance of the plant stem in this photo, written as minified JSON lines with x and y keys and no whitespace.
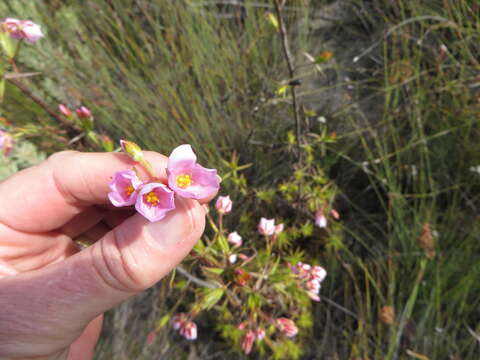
{"x":291,"y":70}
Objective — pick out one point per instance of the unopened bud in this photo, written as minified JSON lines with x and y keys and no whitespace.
{"x":387,"y":315}
{"x":64,"y":110}
{"x":132,"y":150}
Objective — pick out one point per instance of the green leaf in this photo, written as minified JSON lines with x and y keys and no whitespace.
{"x":213,"y":270}
{"x":163,"y":321}
{"x":212,"y":297}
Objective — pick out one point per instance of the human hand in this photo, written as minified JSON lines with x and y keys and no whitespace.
{"x":52,"y":296}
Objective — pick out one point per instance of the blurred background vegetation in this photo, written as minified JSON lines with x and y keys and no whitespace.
{"x":400,"y":98}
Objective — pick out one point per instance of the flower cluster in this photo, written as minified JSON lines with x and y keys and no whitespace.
{"x":186,"y":327}
{"x":22,"y":29}
{"x":267,"y":227}
{"x":154,"y":199}
{"x":250,"y":336}
{"x":6,"y":142}
{"x":310,"y":278}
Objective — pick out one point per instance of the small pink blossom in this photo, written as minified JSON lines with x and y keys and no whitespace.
{"x":125,"y":185}
{"x":84,"y":112}
{"x":151,"y":337}
{"x":154,"y":201}
{"x":313,"y":286}
{"x":279,"y":228}
{"x":287,"y":327}
{"x":234,"y":239}
{"x":260,"y":333}
{"x":232,"y":258}
{"x":6,"y":142}
{"x":335,"y":214}
{"x":318,"y":273}
{"x":178,"y":320}
{"x":313,"y":296}
{"x":242,"y":325}
{"x":223,"y":205}
{"x":266,"y":227}
{"x":186,"y":327}
{"x":189,"y":330}
{"x":22,"y":29}
{"x":247,"y":341}
{"x":64,"y":110}
{"x":189,"y":179}
{"x":320,"y":219}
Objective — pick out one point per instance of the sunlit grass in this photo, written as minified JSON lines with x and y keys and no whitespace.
{"x":168,"y":72}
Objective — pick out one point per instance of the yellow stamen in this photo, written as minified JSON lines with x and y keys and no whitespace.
{"x":129,"y":190}
{"x":151,"y":198}
{"x":184,"y":181}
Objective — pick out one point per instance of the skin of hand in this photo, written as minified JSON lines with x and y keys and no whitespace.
{"x":52,"y":296}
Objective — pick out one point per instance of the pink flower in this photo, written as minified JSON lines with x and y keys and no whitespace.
{"x":234,"y":239}
{"x":64,"y":110}
{"x":154,"y":201}
{"x":6,"y":142}
{"x":260,"y":333}
{"x":189,"y":330}
{"x":23,"y":29}
{"x":84,"y":112}
{"x":318,"y":273}
{"x":189,"y":179}
{"x":266,"y":227}
{"x":287,"y":327}
{"x":124,"y":186}
{"x":178,"y":320}
{"x":313,"y":296}
{"x":223,"y":205}
{"x":335,"y":214}
{"x":232,"y":258}
{"x":247,"y":341}
{"x":313,"y":286}
{"x":320,"y":219}
{"x":279,"y":228}
{"x":151,"y":337}
{"x":242,"y":325}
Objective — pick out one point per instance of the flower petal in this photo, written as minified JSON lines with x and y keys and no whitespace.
{"x":182,"y":156}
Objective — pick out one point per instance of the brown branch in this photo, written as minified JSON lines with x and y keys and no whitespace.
{"x":26,"y":91}
{"x":291,"y":70}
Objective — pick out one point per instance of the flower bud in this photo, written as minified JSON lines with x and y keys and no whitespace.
{"x":234,"y":239}
{"x":223,"y":205}
{"x":83,"y":112}
{"x":320,"y":219}
{"x":260,"y":333}
{"x":247,"y":341}
{"x":132,"y":150}
{"x":232,"y":258}
{"x":266,"y":227}
{"x":287,"y":327}
{"x":6,"y":142}
{"x":64,"y":110}
{"x":279,"y":228}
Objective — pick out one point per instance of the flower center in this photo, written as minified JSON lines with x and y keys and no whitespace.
{"x":184,"y":181}
{"x":151,"y":198}
{"x":129,"y":190}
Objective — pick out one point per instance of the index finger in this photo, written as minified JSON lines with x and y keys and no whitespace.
{"x":46,"y":196}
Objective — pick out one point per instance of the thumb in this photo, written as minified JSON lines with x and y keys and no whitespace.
{"x":46,"y":310}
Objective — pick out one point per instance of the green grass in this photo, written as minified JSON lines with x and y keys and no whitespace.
{"x":167,"y":72}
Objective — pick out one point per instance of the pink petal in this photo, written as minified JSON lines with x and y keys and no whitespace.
{"x":121,"y":180}
{"x":155,"y":212}
{"x":182,"y":156}
{"x":204,"y":182}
